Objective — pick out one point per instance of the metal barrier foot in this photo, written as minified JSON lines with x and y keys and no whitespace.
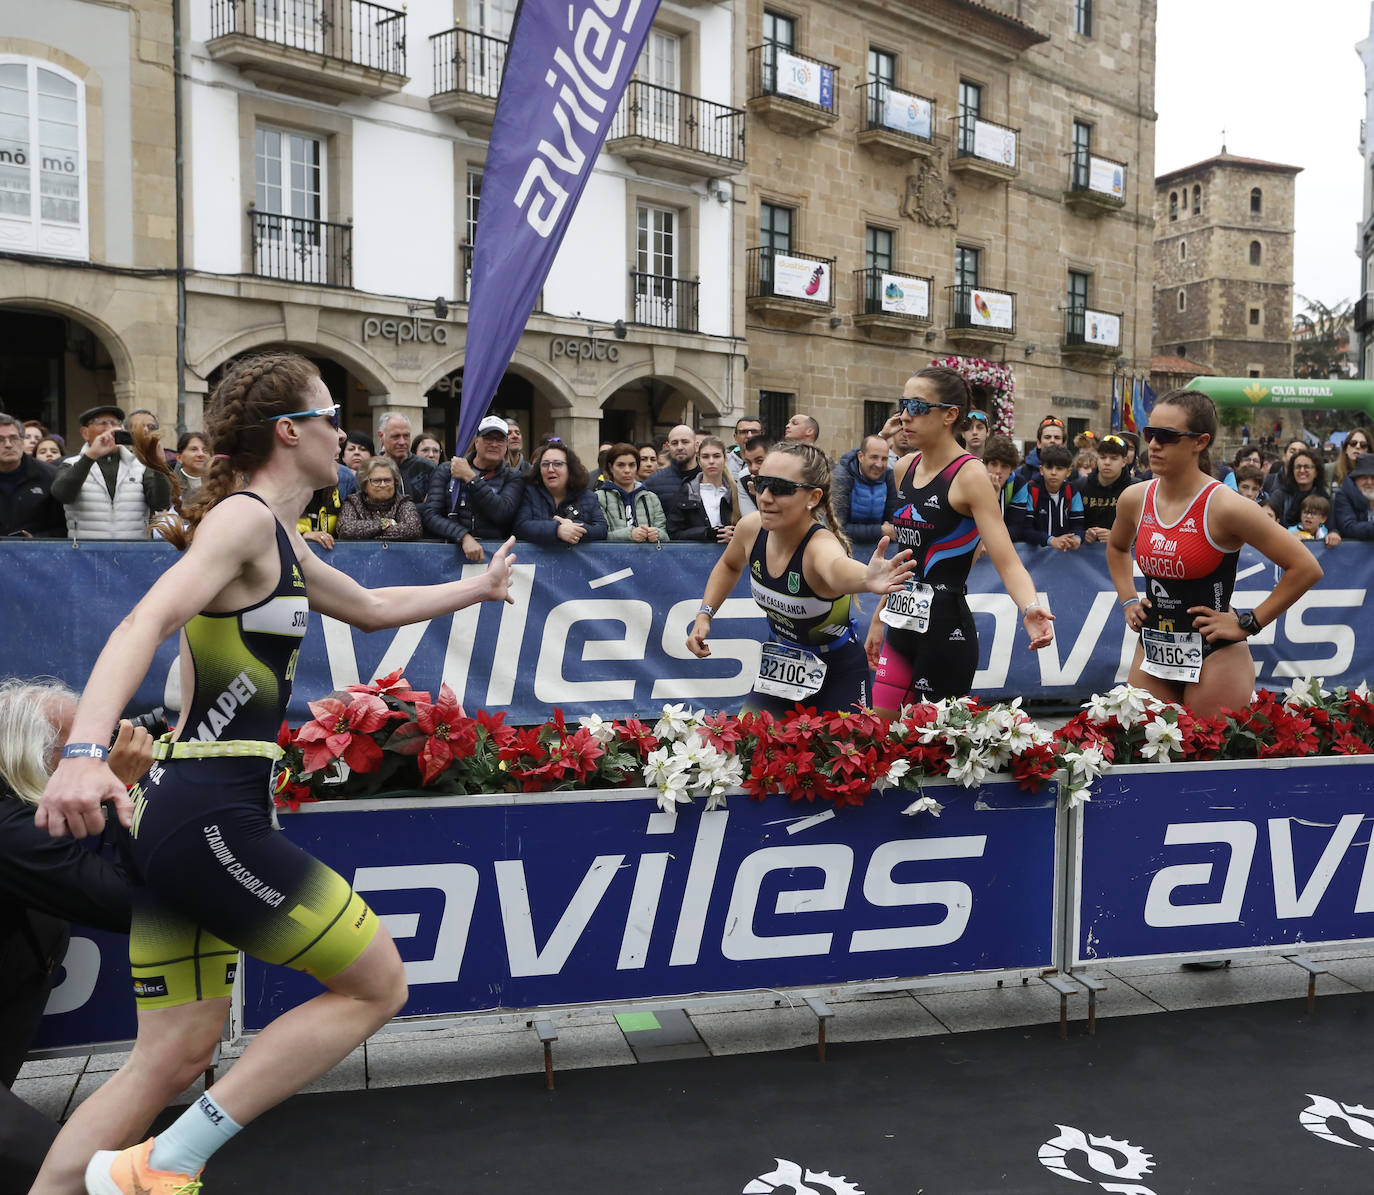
{"x":1066,"y":988}
{"x":1094,"y":986}
{"x":823,"y":1014}
{"x":1313,"y":969}
{"x":547,"y":1035}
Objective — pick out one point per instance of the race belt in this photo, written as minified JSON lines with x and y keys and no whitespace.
{"x":228,"y":749}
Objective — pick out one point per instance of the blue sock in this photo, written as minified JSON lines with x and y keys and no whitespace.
{"x":197,"y":1133}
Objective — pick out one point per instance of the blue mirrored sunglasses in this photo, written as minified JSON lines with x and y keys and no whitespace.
{"x":331,"y":413}
{"x":981,"y":416}
{"x":919,"y":406}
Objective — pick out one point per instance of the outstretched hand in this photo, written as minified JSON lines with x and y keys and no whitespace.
{"x":1038,"y":627}
{"x":888,"y":576}
{"x":499,"y":573}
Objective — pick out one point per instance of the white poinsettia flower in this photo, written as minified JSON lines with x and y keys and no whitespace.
{"x":1074,"y":797}
{"x":894,"y":776}
{"x":1100,"y":707}
{"x":675,"y":722}
{"x":897,"y":731}
{"x":1306,"y":690}
{"x":670,"y":798}
{"x":1161,"y":739}
{"x":1020,"y":735}
{"x":601,"y":730}
{"x":968,"y":772}
{"x":1088,"y":763}
{"x":924,"y":805}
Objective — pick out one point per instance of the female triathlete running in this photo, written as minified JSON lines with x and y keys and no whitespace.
{"x":802,"y":577}
{"x":1188,"y":530}
{"x":214,"y":878}
{"x":930,"y":648}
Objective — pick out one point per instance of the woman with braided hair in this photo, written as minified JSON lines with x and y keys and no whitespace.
{"x":802,"y":577}
{"x":212,"y":878}
{"x":922,"y":642}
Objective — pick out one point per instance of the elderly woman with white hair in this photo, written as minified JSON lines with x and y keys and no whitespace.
{"x":381,"y":509}
{"x":45,"y":882}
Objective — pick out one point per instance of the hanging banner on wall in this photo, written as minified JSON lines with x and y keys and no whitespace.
{"x":1225,"y":857}
{"x":906,"y":113}
{"x":990,"y":309}
{"x":602,"y":629}
{"x":1106,"y":177}
{"x":566,"y":69}
{"x":804,"y":80}
{"x":801,"y":278}
{"x":906,"y":296}
{"x":1101,"y":327}
{"x":993,"y":142}
{"x":606,"y":898}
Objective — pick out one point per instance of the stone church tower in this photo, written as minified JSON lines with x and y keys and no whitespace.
{"x":1223,"y":253}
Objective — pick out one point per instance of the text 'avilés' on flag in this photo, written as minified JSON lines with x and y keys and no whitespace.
{"x":566,"y":69}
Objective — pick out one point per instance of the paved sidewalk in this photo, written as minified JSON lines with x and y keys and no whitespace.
{"x":476,"y":1048}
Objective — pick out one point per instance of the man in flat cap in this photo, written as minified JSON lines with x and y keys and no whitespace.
{"x":107,"y":491}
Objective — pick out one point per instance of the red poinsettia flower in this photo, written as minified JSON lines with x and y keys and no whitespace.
{"x":451,"y":734}
{"x":343,"y":730}
{"x":392,"y":685}
{"x":495,"y":726}
{"x":634,"y":733}
{"x":1349,"y":744}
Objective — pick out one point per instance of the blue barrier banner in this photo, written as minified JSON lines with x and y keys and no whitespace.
{"x":1225,"y":857}
{"x":526,"y":902}
{"x":92,"y":1002}
{"x":602,"y":628}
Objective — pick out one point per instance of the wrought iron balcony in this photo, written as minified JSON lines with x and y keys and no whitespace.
{"x":676,"y":133}
{"x":897,"y":124}
{"x":1096,"y":184}
{"x":1092,"y":333}
{"x":468,"y":67}
{"x":1363,"y":315}
{"x":892,"y":302}
{"x":791,"y":92}
{"x":295,"y":249}
{"x":980,"y":313}
{"x":661,"y":301}
{"x":788,"y":285}
{"x":984,"y":151}
{"x":329,"y":50}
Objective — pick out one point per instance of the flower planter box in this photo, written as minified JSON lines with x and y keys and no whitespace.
{"x":1222,"y":859}
{"x":508,"y":902}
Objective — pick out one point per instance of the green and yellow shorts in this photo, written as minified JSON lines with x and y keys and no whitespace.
{"x":214,"y":878}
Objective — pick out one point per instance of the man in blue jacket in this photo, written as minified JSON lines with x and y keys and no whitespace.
{"x":864,"y":492}
{"x":1354,"y":510}
{"x":477,"y":496}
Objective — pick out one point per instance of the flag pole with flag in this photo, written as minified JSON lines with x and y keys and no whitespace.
{"x":566,"y":68}
{"x":1116,"y":402}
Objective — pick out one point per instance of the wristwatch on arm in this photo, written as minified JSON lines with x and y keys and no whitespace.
{"x":1248,"y":622}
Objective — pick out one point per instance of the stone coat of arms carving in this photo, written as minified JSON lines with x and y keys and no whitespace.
{"x":930,"y":199}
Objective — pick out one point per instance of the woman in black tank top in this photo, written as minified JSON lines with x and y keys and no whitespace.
{"x":213,"y":878}
{"x":802,"y":577}
{"x":930,"y":648}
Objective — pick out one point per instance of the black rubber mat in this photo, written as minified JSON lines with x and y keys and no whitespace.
{"x":1255,"y":1098}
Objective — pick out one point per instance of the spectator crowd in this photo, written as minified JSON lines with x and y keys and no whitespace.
{"x":690,"y":487}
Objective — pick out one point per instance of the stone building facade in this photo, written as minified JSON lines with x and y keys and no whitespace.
{"x":958,"y":178}
{"x":88,"y":309}
{"x":1223,"y":255}
{"x":1362,"y":342}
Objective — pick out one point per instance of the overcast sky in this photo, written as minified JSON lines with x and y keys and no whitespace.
{"x":1285,"y":83}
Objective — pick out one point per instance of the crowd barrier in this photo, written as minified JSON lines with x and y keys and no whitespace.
{"x":519,"y":903}
{"x":1213,"y":860}
{"x":602,"y":628}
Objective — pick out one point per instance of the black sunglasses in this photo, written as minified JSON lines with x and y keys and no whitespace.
{"x":919,"y":406}
{"x":780,"y":486}
{"x":1167,"y":435}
